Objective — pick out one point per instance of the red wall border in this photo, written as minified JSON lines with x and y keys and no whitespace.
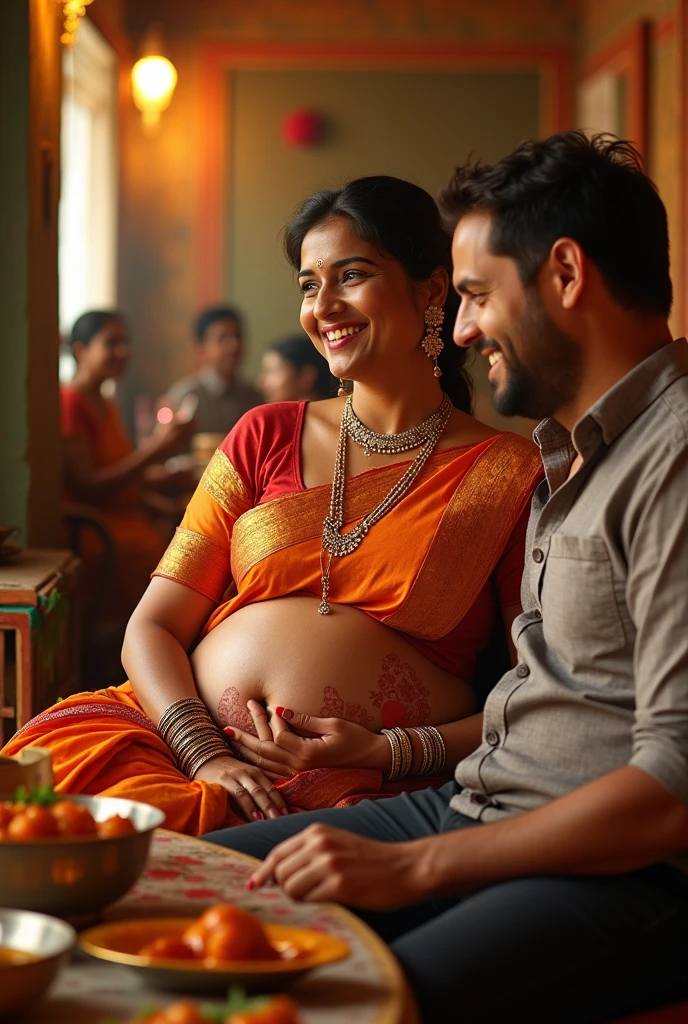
{"x":555,"y":64}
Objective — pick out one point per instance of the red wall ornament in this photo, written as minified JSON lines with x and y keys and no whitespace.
{"x":303,"y":128}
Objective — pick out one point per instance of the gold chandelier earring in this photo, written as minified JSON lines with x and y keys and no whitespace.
{"x":432,"y":343}
{"x":342,"y":393}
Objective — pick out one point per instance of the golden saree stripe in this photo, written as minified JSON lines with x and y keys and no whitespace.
{"x":463,"y":553}
{"x":222,"y":482}
{"x":197,"y":562}
{"x":293,"y":518}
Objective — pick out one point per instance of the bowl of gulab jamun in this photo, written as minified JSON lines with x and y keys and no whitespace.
{"x":71,"y":855}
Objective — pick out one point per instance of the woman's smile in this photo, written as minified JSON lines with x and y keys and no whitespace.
{"x":338,"y":335}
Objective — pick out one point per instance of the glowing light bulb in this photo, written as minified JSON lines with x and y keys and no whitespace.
{"x":153,"y":81}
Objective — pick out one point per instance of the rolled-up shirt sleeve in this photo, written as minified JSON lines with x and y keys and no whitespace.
{"x":657,"y":595}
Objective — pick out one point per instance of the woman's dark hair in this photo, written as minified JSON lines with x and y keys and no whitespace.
{"x":298,"y":350}
{"x":593,"y":190}
{"x":207,"y":317}
{"x":402,"y":221}
{"x":89,"y":324}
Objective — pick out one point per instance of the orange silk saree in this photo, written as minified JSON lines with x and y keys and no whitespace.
{"x":436,"y":568}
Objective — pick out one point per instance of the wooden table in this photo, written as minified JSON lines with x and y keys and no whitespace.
{"x":37,"y":605}
{"x":185,"y":875}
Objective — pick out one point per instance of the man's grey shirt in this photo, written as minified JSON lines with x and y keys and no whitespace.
{"x":602,"y":675}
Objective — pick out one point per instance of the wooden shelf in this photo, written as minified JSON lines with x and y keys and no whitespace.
{"x":33,"y":571}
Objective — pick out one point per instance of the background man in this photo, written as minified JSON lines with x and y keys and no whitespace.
{"x":223,"y":397}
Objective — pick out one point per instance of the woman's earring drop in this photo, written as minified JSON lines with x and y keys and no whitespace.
{"x":432,"y":343}
{"x":342,"y":393}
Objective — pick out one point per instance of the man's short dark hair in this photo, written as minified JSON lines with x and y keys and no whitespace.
{"x":593,"y":190}
{"x":207,"y":317}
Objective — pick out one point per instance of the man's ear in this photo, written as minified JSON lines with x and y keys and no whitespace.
{"x":567,"y":271}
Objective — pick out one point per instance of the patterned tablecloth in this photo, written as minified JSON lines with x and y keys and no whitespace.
{"x":183,"y":876}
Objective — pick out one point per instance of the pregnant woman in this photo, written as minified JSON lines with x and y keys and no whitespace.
{"x":347,"y":559}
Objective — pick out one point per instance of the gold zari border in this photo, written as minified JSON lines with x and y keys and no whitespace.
{"x":470,"y":539}
{"x":294,"y":518}
{"x":198,"y":562}
{"x":222,"y":482}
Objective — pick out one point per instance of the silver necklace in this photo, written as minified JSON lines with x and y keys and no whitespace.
{"x":336,"y":544}
{"x":391,"y":444}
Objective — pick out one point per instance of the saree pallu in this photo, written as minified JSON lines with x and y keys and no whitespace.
{"x":436,"y":568}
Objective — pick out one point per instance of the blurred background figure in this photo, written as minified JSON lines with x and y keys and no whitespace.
{"x":293,"y":370}
{"x":223,"y":397}
{"x":127,"y":494}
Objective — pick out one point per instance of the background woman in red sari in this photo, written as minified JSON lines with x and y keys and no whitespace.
{"x":248,"y":611}
{"x":122,"y":484}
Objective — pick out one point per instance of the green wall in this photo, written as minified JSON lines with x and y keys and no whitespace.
{"x":14,"y":264}
{"x":415,"y":125}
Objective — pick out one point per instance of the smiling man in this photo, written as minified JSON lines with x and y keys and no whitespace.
{"x":549,"y":882}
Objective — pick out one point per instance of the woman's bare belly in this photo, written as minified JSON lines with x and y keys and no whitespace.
{"x":342,"y":665}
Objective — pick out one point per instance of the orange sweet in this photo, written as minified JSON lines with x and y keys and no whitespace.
{"x":115,"y":827}
{"x":184,"y":1012}
{"x":234,"y":934}
{"x":280,"y":1010}
{"x":221,"y":913}
{"x":32,"y":823}
{"x":194,"y":937}
{"x":168,"y":947}
{"x":73,"y":819}
{"x":6,"y":814}
{"x":236,"y":941}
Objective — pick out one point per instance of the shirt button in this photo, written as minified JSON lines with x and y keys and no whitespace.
{"x":538,"y":555}
{"x":522,"y":671}
{"x":478,"y":798}
{"x":492,"y":738}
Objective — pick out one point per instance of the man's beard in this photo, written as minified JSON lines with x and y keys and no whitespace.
{"x":550,"y":380}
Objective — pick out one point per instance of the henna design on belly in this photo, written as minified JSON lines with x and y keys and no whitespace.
{"x":402,"y":698}
{"x":231,"y":711}
{"x":334,"y":707}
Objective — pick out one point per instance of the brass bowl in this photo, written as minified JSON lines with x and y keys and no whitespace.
{"x":49,"y":940}
{"x":78,"y":876}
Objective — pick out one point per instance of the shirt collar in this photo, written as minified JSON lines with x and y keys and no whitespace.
{"x":620,"y":406}
{"x":633,"y":394}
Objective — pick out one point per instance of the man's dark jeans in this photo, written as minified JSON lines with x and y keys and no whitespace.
{"x":571,"y":950}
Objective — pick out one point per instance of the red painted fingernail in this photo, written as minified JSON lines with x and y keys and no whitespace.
{"x":250,"y":885}
{"x":229,"y":732}
{"x":257,"y":816}
{"x":285,"y":713}
{"x":279,"y":711}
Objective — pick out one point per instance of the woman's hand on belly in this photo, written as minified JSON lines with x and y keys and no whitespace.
{"x":329,"y":743}
{"x":252,"y":792}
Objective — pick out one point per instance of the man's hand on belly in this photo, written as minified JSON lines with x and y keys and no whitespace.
{"x":329,"y":743}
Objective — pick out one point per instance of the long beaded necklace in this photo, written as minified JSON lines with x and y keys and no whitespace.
{"x":336,"y":544}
